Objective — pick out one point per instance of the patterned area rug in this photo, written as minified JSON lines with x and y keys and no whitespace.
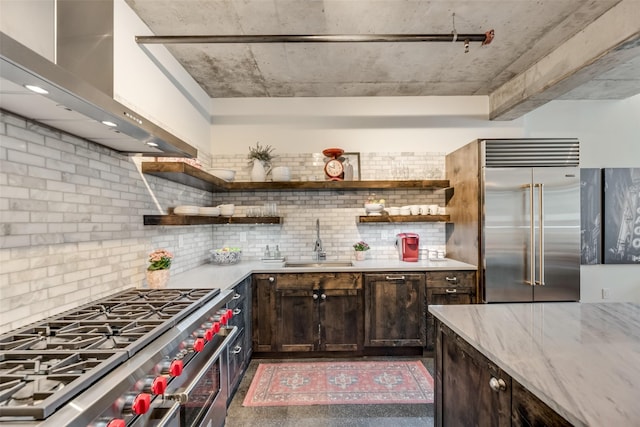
{"x":340,"y":383}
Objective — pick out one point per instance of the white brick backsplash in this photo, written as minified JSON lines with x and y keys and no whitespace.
{"x":81,"y":236}
{"x":25,"y":136}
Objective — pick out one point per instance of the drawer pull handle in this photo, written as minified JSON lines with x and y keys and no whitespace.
{"x":395,"y":277}
{"x":451,"y":291}
{"x":237,"y":296}
{"x":272,"y":279}
{"x":451,"y":279}
{"x":237,"y":349}
{"x":237,"y":311}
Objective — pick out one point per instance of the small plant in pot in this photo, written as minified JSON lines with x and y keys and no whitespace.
{"x":260,"y":157}
{"x":158,"y":270}
{"x":360,"y":247}
{"x":264,"y":154}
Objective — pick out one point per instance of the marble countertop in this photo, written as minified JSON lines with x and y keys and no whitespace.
{"x":583,"y":360}
{"x":226,"y":276}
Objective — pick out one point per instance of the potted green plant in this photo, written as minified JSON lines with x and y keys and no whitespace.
{"x":360,"y":247}
{"x":261,"y":158}
{"x":158,"y":270}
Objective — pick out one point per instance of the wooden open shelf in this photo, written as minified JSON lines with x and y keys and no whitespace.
{"x":205,"y":220}
{"x":402,"y":218}
{"x":198,"y":178}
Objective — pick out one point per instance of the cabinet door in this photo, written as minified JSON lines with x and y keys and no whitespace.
{"x":297,"y":319}
{"x":470,"y":389}
{"x":395,"y":310}
{"x":341,"y":319}
{"x":263,"y":312}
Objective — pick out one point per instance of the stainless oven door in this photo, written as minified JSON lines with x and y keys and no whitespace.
{"x":203,"y":392}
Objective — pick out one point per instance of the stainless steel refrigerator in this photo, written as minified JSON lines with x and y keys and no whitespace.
{"x":515,"y":212}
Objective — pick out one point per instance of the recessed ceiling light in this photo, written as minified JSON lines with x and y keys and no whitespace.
{"x":37,"y":89}
{"x":110,"y":124}
{"x":152,"y":144}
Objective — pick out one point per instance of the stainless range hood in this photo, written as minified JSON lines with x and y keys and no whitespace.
{"x":76,"y":106}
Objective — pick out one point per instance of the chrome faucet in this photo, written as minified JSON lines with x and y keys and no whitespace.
{"x":320,"y":253}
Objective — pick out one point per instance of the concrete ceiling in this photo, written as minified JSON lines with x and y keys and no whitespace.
{"x":543,"y":50}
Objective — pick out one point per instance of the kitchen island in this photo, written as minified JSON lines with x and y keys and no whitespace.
{"x":580,"y":361}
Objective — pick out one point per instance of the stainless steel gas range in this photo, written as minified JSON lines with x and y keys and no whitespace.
{"x":137,"y":358}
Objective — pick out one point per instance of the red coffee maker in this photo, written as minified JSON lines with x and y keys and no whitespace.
{"x":408,"y":246}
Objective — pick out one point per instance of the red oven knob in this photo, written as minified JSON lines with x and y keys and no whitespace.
{"x":116,"y":422}
{"x":229,"y":314}
{"x":175,"y":368}
{"x":198,"y":345}
{"x":141,"y":404}
{"x":159,"y":385}
{"x":208,"y":334}
{"x":223,"y":316}
{"x":216,"y":327}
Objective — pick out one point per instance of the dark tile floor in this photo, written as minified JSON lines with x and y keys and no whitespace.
{"x":325,"y":415}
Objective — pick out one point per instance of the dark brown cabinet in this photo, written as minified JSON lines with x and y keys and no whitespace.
{"x":447,"y":288}
{"x":527,"y":410}
{"x":308,"y":312}
{"x":470,"y":389}
{"x":395,"y":309}
{"x":264,"y":312}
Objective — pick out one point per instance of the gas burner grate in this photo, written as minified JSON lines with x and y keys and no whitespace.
{"x":44,"y":365}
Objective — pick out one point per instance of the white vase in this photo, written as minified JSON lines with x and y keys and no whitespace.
{"x":360,"y":255}
{"x":258,"y":173}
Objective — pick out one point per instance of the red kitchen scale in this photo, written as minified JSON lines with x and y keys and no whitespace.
{"x":333,"y":168}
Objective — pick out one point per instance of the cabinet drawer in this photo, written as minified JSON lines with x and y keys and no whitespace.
{"x":451,"y":279}
{"x":316,"y":281}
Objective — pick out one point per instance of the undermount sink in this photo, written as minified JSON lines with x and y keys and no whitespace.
{"x":323,"y":264}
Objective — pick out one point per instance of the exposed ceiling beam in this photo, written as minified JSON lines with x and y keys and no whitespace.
{"x":609,"y":41}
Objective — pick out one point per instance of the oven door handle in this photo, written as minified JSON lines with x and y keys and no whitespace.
{"x":183,"y":396}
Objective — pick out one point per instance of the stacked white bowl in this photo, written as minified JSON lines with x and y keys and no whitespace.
{"x":227,"y":210}
{"x":209,"y":211}
{"x":281,"y":173}
{"x":186,"y":210}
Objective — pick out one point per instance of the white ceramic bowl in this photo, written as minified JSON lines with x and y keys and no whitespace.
{"x":227,"y":210}
{"x":281,"y":177}
{"x":373,"y":207}
{"x":186,"y":210}
{"x":225,"y":257}
{"x":209,"y":211}
{"x":226,"y":174}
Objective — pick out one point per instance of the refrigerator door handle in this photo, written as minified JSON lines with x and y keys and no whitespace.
{"x":540,"y":280}
{"x":532,"y":256}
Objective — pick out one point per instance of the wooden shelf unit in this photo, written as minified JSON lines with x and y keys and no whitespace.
{"x":188,"y":175}
{"x":205,"y":220}
{"x":402,"y":218}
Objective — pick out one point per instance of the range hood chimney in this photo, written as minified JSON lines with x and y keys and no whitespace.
{"x":82,"y":80}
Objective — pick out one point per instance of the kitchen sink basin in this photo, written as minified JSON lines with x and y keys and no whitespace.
{"x":323,"y":264}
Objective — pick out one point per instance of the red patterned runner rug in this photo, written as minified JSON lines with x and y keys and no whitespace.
{"x":340,"y":383}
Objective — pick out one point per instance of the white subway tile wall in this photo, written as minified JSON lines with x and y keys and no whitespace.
{"x":71,"y":213}
{"x":71,"y":222}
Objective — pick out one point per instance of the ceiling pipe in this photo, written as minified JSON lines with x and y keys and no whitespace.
{"x":329,"y":38}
